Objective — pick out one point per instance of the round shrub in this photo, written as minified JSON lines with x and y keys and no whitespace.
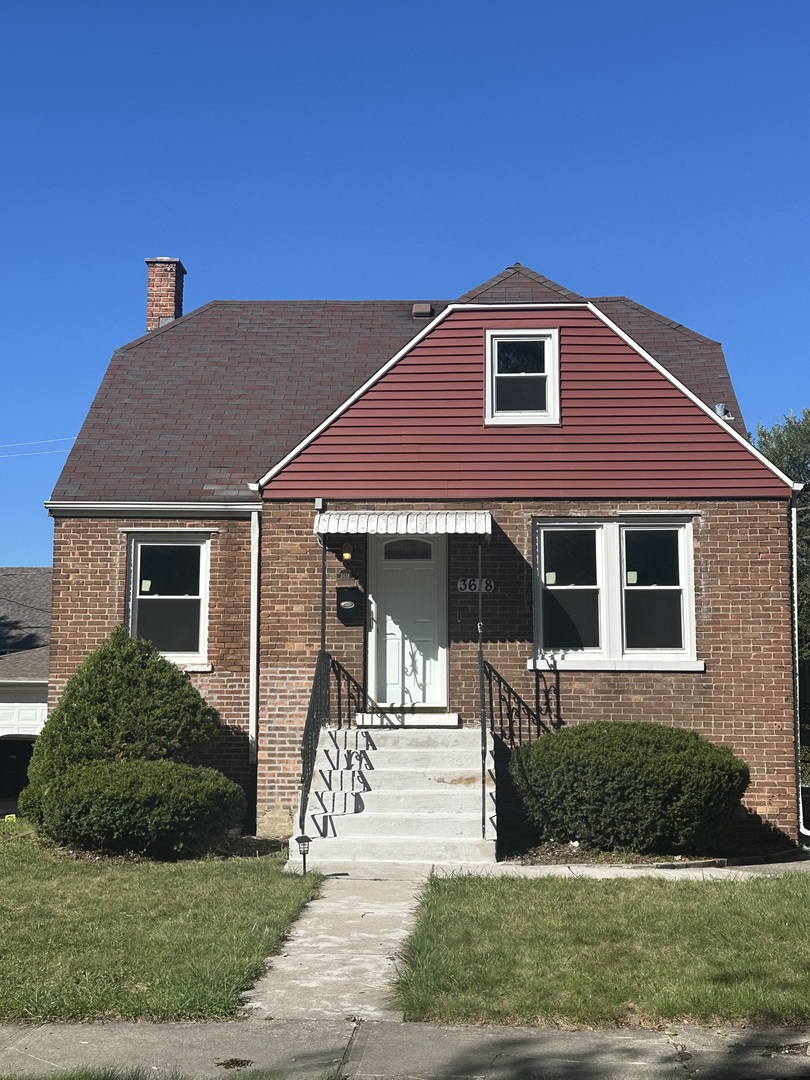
{"x":125,"y":702}
{"x":630,"y":786}
{"x":162,"y":809}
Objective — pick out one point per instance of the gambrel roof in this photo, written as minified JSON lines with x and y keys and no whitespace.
{"x":198,"y":409}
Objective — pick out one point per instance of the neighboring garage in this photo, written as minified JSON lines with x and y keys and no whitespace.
{"x":25,"y":617}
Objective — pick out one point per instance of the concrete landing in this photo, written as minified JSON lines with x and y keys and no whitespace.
{"x":339,"y":961}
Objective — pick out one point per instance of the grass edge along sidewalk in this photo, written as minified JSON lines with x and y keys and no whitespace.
{"x":85,"y":939}
{"x":596,"y":953}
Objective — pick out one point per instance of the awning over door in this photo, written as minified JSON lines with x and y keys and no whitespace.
{"x":421,"y":522}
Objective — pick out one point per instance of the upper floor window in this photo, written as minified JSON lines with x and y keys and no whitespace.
{"x":523,"y":377}
{"x":169,"y":594}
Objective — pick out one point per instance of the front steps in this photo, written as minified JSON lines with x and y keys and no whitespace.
{"x":407,"y":795}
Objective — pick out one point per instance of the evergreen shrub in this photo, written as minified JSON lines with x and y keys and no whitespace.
{"x":162,"y":809}
{"x":637,"y":787}
{"x":125,"y":702}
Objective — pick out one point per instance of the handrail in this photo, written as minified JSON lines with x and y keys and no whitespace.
{"x":350,"y":697}
{"x":317,"y":717}
{"x":512,"y":718}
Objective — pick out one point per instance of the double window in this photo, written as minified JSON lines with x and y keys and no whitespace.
{"x":522,"y":377}
{"x":615,"y":594}
{"x":169,"y":594}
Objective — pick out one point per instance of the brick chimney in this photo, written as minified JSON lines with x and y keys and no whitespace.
{"x":164,"y":291}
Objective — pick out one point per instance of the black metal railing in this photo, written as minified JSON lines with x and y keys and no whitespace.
{"x":349,"y":697}
{"x":511,"y":717}
{"x":318,"y":716}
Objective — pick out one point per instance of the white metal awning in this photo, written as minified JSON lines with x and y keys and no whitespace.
{"x":413,"y":523}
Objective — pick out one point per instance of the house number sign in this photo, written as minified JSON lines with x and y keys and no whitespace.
{"x":476,"y":584}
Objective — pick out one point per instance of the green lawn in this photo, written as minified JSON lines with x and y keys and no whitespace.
{"x":599,"y":953}
{"x":135,"y":940}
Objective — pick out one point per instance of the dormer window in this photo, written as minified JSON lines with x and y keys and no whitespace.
{"x":523,"y":377}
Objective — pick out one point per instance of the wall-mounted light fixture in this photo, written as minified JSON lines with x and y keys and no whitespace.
{"x":346,"y":551}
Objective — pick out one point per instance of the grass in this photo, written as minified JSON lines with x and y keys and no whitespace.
{"x":135,"y":940}
{"x":591,"y":953}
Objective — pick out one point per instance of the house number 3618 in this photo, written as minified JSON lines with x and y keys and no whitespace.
{"x":476,"y":584}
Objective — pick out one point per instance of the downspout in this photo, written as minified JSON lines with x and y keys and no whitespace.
{"x":253,"y":691}
{"x":323,"y":594}
{"x":794,"y":615}
{"x":481,"y":695}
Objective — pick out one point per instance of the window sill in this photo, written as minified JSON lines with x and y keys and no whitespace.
{"x":595,"y":663}
{"x":521,"y":419}
{"x":195,"y":668}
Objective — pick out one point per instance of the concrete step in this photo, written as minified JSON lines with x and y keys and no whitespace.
{"x":399,"y":779}
{"x":385,"y":738}
{"x":408,"y":825}
{"x":353,"y":849}
{"x":399,"y":720}
{"x":397,"y":758}
{"x":460,"y":800}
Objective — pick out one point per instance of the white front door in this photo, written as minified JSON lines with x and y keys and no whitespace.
{"x":408,"y":643}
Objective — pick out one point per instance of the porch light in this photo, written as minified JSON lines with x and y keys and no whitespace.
{"x":346,"y":551}
{"x":303,"y":848}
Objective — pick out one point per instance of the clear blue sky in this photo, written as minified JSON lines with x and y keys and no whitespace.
{"x":391,"y":149}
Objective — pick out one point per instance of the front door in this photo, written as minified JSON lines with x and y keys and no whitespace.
{"x":408,"y":637}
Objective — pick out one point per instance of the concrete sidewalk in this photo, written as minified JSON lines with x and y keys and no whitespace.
{"x":395,"y":1051}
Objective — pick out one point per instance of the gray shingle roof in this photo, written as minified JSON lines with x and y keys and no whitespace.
{"x":196,"y":410}
{"x":25,"y":607}
{"x":28,"y":666}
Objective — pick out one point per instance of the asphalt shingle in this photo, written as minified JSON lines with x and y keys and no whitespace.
{"x":198,"y":409}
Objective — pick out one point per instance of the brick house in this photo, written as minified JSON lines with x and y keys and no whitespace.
{"x":491,"y":516}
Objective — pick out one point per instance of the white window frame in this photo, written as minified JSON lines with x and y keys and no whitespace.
{"x":551,"y":413}
{"x":190,"y":660}
{"x":612,"y":654}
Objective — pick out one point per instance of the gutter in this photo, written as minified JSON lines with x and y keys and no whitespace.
{"x":85,"y":508}
{"x":804,"y":832}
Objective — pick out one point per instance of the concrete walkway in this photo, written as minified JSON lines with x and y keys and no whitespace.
{"x":324,"y":1006}
{"x":340,"y":960}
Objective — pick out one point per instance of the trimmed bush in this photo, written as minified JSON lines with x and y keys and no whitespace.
{"x":125,"y":702}
{"x":630,"y":787}
{"x":162,"y":809}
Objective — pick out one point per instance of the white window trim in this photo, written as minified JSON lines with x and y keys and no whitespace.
{"x":190,"y":661}
{"x":612,"y":655}
{"x":551,"y":414}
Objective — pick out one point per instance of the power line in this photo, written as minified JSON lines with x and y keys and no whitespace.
{"x":36,"y":453}
{"x":37,"y":442}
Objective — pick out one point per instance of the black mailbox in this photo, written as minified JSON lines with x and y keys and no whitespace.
{"x":351,"y":605}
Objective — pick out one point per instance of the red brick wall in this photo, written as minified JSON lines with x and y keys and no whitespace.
{"x":742,"y":588}
{"x":90,"y":598}
{"x":742,"y":604}
{"x":164,"y":291}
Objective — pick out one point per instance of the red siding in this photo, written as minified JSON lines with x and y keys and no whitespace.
{"x":626,"y":431}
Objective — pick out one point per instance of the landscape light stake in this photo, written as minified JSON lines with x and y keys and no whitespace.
{"x":303,"y":849}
